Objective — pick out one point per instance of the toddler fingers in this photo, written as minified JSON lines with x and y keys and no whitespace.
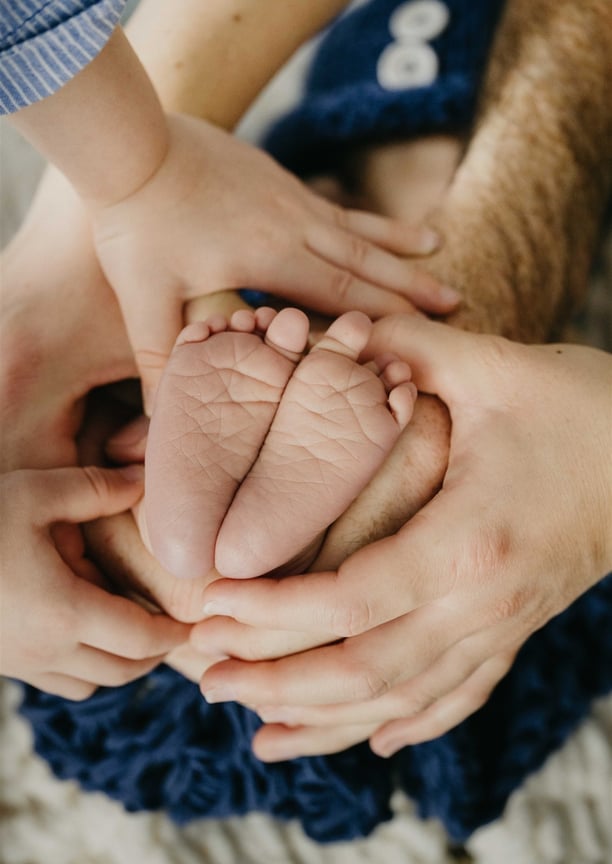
{"x":370,"y":262}
{"x":391,"y":234}
{"x":306,"y":278}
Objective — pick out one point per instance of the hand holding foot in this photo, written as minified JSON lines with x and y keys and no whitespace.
{"x":61,"y":630}
{"x":262,"y":458}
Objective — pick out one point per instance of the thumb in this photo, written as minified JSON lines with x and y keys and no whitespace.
{"x":153,"y":323}
{"x":445,"y":360}
{"x":83,"y":494}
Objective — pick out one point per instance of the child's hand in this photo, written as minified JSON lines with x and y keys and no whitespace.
{"x":219,"y":214}
{"x":60,"y":630}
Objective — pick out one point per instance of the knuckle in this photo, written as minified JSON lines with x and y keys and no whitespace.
{"x":419,"y":700}
{"x":253,"y":649}
{"x":508,"y":607}
{"x":365,"y":680}
{"x":359,"y":250}
{"x":99,"y":480}
{"x":341,"y":284}
{"x":352,"y":619}
{"x":374,"y":683}
{"x":492,"y":549}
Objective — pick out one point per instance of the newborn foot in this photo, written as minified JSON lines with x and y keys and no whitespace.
{"x":334,"y":426}
{"x":213,"y":409}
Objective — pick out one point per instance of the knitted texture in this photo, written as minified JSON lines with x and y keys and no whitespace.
{"x":156,"y":744}
{"x":388,"y":69}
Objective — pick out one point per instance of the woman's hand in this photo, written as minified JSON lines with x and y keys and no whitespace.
{"x":62,"y":630}
{"x":429,"y":620}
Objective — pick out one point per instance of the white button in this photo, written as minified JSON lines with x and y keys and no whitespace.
{"x":402,"y":66}
{"x":421,"y":19}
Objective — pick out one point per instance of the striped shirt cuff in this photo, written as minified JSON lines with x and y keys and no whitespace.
{"x":45,"y":43}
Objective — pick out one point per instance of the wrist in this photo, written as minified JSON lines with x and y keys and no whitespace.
{"x":105,"y":129}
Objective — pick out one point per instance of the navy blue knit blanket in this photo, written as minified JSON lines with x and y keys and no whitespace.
{"x":156,"y":744}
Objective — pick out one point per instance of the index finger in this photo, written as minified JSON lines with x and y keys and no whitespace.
{"x":376,"y":584}
{"x":119,"y":626}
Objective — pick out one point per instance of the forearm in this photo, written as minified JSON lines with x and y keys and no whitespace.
{"x":104,"y":129}
{"x":211,"y":59}
{"x":538,"y":167}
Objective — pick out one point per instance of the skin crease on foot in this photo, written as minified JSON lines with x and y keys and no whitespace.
{"x":264,"y":452}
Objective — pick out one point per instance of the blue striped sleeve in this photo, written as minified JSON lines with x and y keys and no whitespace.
{"x":45,"y":43}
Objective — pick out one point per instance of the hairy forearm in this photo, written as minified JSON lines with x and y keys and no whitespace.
{"x":211,"y":59}
{"x":538,"y":168}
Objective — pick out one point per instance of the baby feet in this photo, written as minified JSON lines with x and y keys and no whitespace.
{"x":242,"y":479}
{"x":213,"y":410}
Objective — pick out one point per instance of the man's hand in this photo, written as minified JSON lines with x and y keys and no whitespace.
{"x":61,"y":629}
{"x":431,"y":618}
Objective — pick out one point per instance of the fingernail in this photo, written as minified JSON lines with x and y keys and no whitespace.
{"x":217,"y":607}
{"x":222,"y":693}
{"x":133,"y":473}
{"x":448,"y":294}
{"x":428,"y":241}
{"x":148,"y":398}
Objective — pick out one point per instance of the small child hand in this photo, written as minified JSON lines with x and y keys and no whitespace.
{"x":60,"y":629}
{"x":218,"y":213}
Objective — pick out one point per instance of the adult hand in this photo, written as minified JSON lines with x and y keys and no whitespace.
{"x":61,"y":330}
{"x":218,"y":214}
{"x":431,"y":618}
{"x":61,"y":630}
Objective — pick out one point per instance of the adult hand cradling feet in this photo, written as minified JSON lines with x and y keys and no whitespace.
{"x":61,"y":628}
{"x":509,"y":541}
{"x":518,"y":244}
